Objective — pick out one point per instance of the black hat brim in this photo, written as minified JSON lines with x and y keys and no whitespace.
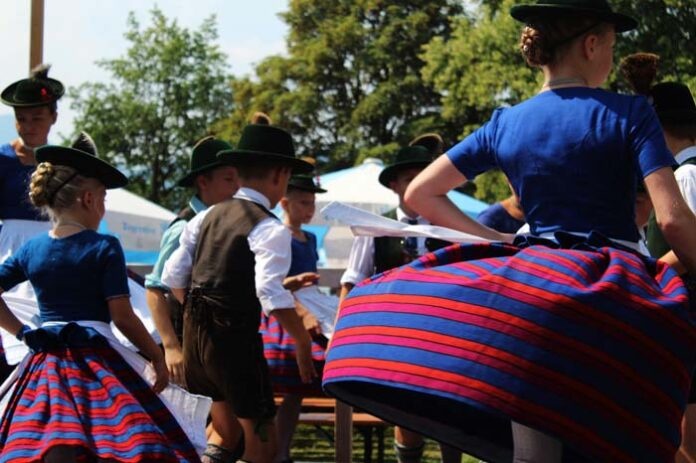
{"x":389,"y":173}
{"x":57,"y":88}
{"x":307,"y":188}
{"x":84,"y":163}
{"x":187,"y":180}
{"x":242,"y":156}
{"x":621,"y":22}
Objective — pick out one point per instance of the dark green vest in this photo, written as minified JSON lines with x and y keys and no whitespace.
{"x":223,"y":265}
{"x":657,"y":245}
{"x":390,"y":251}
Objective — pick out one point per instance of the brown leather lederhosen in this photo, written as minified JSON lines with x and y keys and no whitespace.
{"x":223,"y":350}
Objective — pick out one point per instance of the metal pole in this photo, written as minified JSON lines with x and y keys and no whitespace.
{"x":36,"y":37}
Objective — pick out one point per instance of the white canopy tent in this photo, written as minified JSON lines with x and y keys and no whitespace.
{"x":137,"y":223}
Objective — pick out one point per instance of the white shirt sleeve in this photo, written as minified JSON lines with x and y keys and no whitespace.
{"x":177,"y":269}
{"x":270,"y":242}
{"x":686,"y":179}
{"x":361,"y":263}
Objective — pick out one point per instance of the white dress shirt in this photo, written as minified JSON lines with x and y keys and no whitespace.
{"x":361,"y":262}
{"x":686,"y":176}
{"x":269,"y":240}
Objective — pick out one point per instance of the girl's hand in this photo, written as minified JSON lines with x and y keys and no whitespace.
{"x":161,"y":375}
{"x":507,"y":237}
{"x":303,"y":352}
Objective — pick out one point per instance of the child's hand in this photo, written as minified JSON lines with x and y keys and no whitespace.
{"x":311,"y":324}
{"x":174,"y":360}
{"x":300,"y":280}
{"x":309,"y":321}
{"x":303,"y":352}
{"x":162,"y":375}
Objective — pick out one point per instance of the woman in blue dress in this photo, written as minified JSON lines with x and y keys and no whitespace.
{"x":79,"y":395}
{"x":35,"y":106}
{"x":582,"y":342}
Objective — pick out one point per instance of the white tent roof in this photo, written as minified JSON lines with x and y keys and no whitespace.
{"x":123,"y":201}
{"x":138,"y":224}
{"x":359,"y":187}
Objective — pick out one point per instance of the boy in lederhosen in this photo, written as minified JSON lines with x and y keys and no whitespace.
{"x":236,"y":255}
{"x":213,"y":181}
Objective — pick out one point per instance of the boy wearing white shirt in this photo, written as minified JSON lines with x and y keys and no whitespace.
{"x":236,"y":255}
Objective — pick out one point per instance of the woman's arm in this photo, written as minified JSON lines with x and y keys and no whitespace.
{"x":427,"y":195}
{"x":674,"y":218}
{"x":130,"y":325}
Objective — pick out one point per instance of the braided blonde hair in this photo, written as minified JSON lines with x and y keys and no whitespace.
{"x":54,"y":187}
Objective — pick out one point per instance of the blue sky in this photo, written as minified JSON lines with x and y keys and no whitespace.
{"x":79,"y":32}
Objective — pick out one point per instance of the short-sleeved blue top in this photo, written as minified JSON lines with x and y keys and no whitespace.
{"x":573,"y":156}
{"x":14,"y":187}
{"x":73,"y":277}
{"x":304,"y":255}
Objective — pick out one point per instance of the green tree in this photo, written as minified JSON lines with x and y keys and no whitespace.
{"x":351,"y":83}
{"x":478,"y":69}
{"x":164,"y":94}
{"x":665,"y":27}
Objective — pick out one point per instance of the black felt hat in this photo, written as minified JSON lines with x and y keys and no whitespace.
{"x":673,"y":103}
{"x":37,"y":90}
{"x":599,"y":9}
{"x":203,"y":158}
{"x":411,"y":156}
{"x":82,"y":156}
{"x":305,"y":183}
{"x":265,"y":143}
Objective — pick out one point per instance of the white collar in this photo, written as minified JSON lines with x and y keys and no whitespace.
{"x":401,"y":216}
{"x":250,"y":194}
{"x":685,"y":154}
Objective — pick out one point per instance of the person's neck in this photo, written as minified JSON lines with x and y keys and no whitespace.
{"x":292,"y":225}
{"x":25,"y":153}
{"x":70,"y":224}
{"x":265,"y":188}
{"x":204,"y":198}
{"x":563,"y":77}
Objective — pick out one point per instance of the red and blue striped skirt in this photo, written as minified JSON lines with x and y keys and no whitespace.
{"x":89,"y":398}
{"x":593,"y":345}
{"x":279,"y":350}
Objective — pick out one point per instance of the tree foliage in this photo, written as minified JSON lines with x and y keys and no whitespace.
{"x":351,"y":84}
{"x":166,"y":91}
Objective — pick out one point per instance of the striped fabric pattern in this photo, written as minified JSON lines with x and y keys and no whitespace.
{"x":90,"y":398}
{"x":594,"y":346}
{"x":279,"y":350}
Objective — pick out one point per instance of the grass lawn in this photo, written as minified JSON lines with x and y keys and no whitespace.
{"x":313,"y":445}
